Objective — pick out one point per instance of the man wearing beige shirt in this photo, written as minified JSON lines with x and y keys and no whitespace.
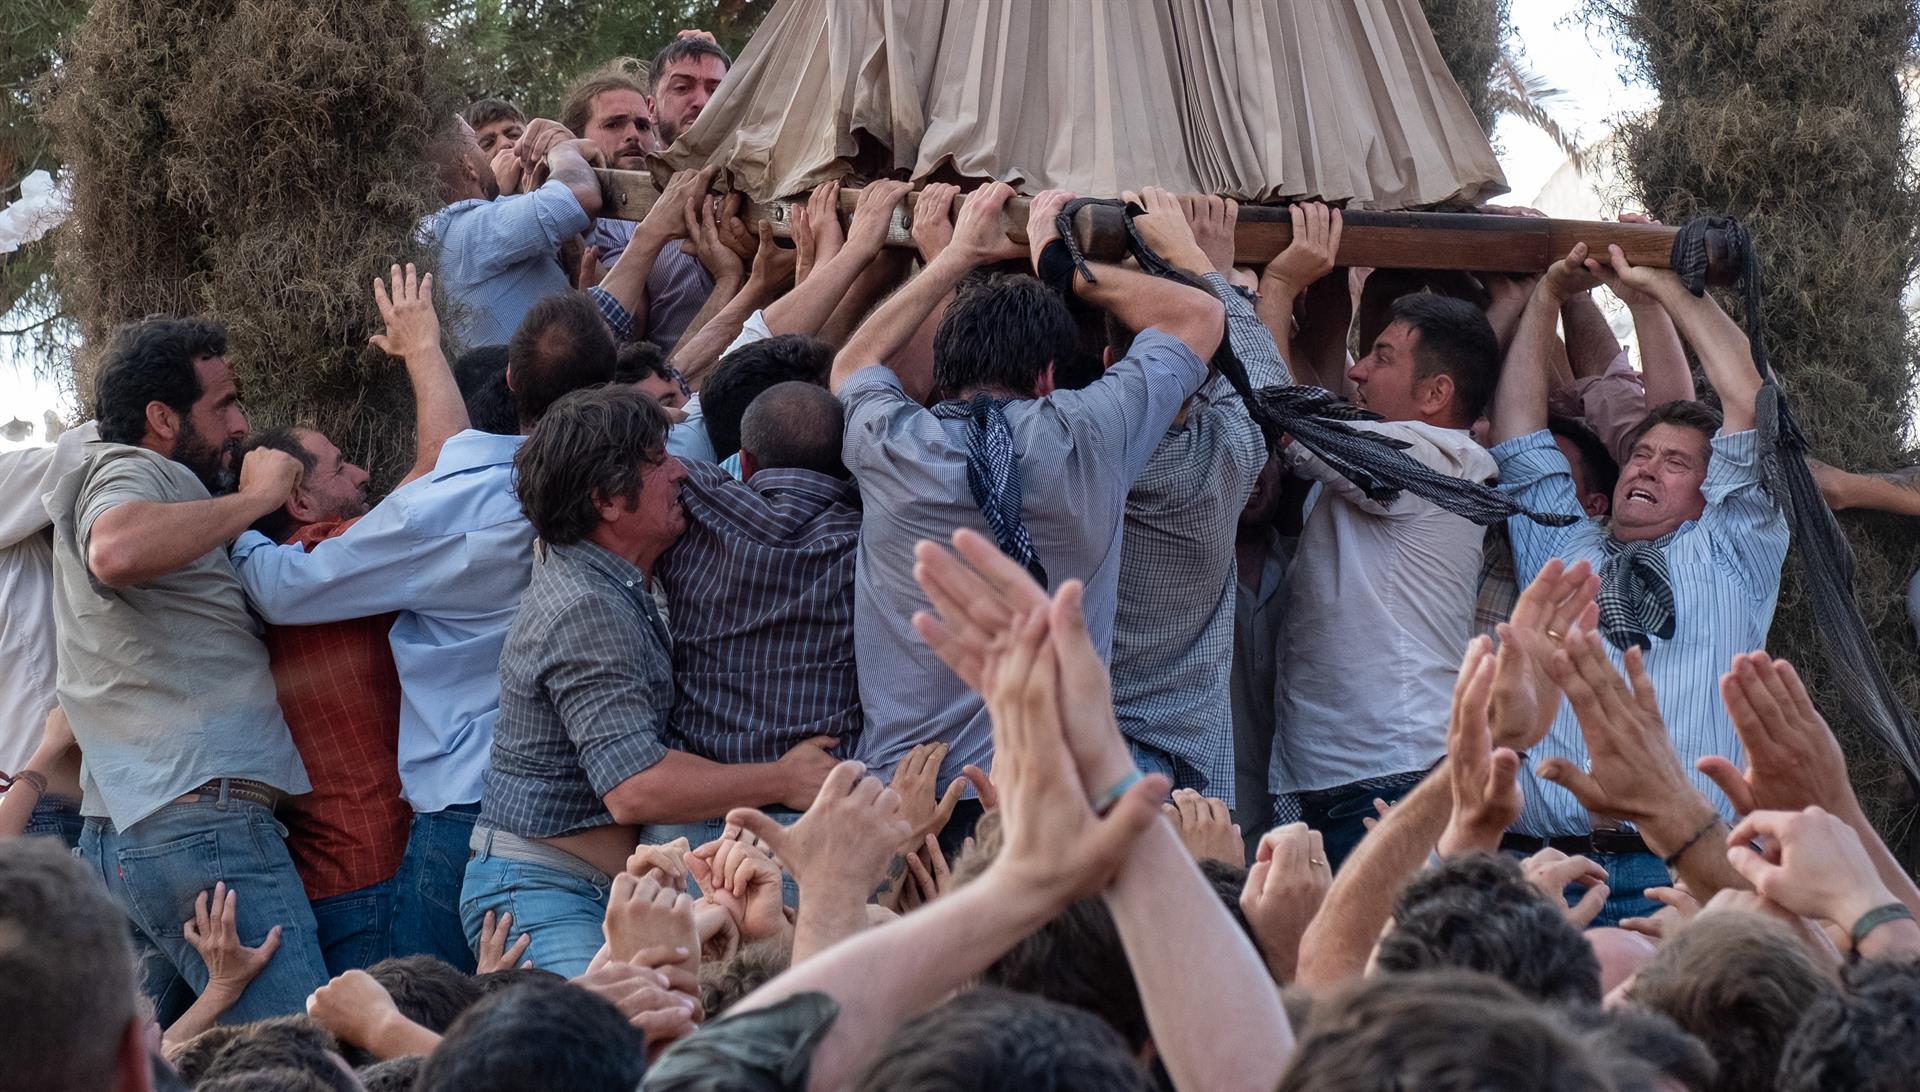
{"x":162,"y":672}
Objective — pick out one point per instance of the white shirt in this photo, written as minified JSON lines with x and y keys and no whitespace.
{"x":26,"y":590}
{"x":1380,"y":605}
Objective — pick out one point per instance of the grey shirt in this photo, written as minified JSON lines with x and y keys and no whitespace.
{"x":677,"y":285}
{"x":1079,"y":451}
{"x":586,"y":683}
{"x":165,"y":683}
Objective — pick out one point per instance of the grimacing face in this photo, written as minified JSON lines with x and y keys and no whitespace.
{"x":499,"y":136}
{"x":682,"y":91}
{"x":1660,"y":482}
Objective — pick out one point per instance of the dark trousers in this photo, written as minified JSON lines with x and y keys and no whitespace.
{"x":1338,"y":813}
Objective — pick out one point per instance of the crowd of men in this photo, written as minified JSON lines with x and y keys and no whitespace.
{"x":830,"y":666}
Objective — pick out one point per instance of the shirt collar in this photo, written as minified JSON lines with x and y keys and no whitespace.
{"x":809,"y":484}
{"x":597,"y":557}
{"x":473,"y":449}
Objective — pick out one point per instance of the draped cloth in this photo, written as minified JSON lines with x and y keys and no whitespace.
{"x":1261,"y":100}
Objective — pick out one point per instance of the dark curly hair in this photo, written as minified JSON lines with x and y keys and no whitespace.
{"x":590,"y":446}
{"x":151,"y":361}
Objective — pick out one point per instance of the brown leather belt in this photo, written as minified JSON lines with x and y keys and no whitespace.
{"x":253,"y":792}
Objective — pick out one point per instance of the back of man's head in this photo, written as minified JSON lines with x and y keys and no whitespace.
{"x":481,"y":375}
{"x":394,"y":1074}
{"x":151,"y":361}
{"x":428,"y":991}
{"x":1650,"y":1049}
{"x":1599,"y":470}
{"x":537,"y":1035}
{"x":1740,"y":983}
{"x":561,"y":346}
{"x":1001,"y":333}
{"x":724,"y":983}
{"x":1864,"y":1039}
{"x":1077,"y":959}
{"x":1479,"y":913}
{"x":286,"y":1043}
{"x":744,"y":373}
{"x":989,"y":1039}
{"x":797,"y":426}
{"x":66,"y":972}
{"x":1438,"y":1031}
{"x":1456,"y":340}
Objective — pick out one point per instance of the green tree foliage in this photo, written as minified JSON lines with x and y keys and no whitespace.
{"x":526,"y":51}
{"x":257,"y":162}
{"x":1789,"y":115}
{"x":1469,"y":34}
{"x":32,"y":31}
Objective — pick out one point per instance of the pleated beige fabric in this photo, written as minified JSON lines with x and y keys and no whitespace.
{"x":1262,"y":100}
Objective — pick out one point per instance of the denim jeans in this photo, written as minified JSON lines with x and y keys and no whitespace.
{"x":1628,"y":877}
{"x":155,"y":870}
{"x":700,"y":833}
{"x":426,"y":890}
{"x":1338,"y":816}
{"x":56,"y":816}
{"x":355,"y":928}
{"x":559,"y":906}
{"x":1151,"y":759}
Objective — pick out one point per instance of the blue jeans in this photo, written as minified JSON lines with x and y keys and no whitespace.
{"x":1628,"y":877}
{"x":1150,"y":759}
{"x":700,"y":833}
{"x":156,"y":869}
{"x":56,"y":816}
{"x":355,"y":928}
{"x":559,"y":905}
{"x":426,"y":890}
{"x":1338,"y":815}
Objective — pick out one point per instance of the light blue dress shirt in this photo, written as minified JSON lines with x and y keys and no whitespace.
{"x":450,"y":551}
{"x":497,"y":258}
{"x":1725,"y":568}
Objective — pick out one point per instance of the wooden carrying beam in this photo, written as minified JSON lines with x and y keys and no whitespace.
{"x":1471,"y":242}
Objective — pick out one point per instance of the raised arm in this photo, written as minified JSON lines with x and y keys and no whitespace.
{"x":1718,"y":341}
{"x":772,"y":272}
{"x":413,"y":335}
{"x":806,"y":309}
{"x":1309,"y":257}
{"x":1664,"y":371}
{"x":1520,"y":398}
{"x":665,"y":222}
{"x":978,"y":238}
{"x":1139,"y":301}
{"x":1591,"y":345}
{"x":571,"y":163}
{"x":137,"y":540}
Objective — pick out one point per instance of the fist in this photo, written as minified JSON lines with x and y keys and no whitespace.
{"x":270,"y":475}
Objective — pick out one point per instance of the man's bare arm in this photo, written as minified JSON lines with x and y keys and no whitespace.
{"x":413,"y":335}
{"x":978,"y":238}
{"x":140,"y":540}
{"x":807,"y":308}
{"x":1520,"y":398}
{"x":1721,"y":345}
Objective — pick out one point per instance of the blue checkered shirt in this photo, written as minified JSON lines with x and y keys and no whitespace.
{"x":586,"y":681}
{"x":760,"y":586}
{"x":1173,"y":624}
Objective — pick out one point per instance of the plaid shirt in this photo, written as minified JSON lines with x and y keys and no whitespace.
{"x":586,"y":680}
{"x":341,"y":697}
{"x":1499,"y":588}
{"x":1173,"y":625}
{"x":761,"y":591}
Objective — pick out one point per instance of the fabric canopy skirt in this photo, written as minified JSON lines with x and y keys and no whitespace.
{"x":1261,"y":100}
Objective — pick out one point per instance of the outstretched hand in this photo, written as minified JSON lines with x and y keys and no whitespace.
{"x":413,"y":329}
{"x":1793,"y":759}
{"x":213,"y":932}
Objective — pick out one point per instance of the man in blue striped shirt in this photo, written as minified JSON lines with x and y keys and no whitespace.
{"x":1689,"y":560}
